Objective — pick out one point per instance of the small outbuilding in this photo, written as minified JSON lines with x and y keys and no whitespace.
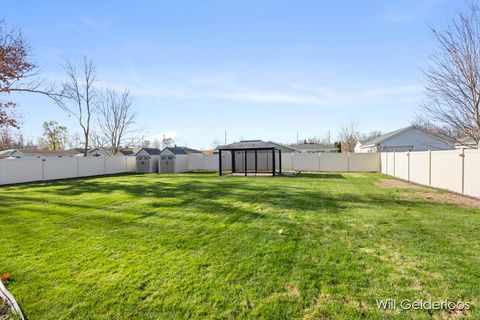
{"x":253,"y":157}
{"x":147,"y":160}
{"x":175,"y":159}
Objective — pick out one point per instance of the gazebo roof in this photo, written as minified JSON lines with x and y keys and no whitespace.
{"x":251,"y":144}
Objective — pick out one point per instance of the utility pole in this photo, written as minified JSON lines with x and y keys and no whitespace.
{"x":297,"y":136}
{"x":225,"y":137}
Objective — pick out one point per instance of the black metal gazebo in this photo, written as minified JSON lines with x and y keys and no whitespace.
{"x":251,"y":157}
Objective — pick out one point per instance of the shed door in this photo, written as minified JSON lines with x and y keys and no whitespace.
{"x":167,"y":164}
{"x":143,"y":164}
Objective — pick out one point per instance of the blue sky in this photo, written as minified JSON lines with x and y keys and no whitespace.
{"x":258,"y":69}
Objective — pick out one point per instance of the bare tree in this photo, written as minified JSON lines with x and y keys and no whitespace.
{"x":79,"y":96}
{"x":54,"y":136}
{"x":349,"y":136}
{"x":156,"y":143}
{"x":18,"y":73}
{"x":98,"y":140}
{"x":74,"y":141}
{"x":167,"y":141}
{"x":10,"y":138}
{"x":116,"y":117}
{"x":370,"y":136}
{"x":451,"y":107}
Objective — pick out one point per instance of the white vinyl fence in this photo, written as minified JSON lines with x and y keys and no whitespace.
{"x":454,"y":170}
{"x":36,"y":169}
{"x":342,"y":162}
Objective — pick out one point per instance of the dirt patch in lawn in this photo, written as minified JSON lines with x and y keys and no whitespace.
{"x":429,"y":194}
{"x":398,"y":184}
{"x":450,"y":198}
{"x":292,"y":290}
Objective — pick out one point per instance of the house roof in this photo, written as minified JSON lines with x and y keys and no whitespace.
{"x":126,"y":152}
{"x":7,"y":153}
{"x":181,"y":150}
{"x":253,"y":144}
{"x":40,"y":151}
{"x":312,"y":146}
{"x":150,"y":151}
{"x":389,"y":135}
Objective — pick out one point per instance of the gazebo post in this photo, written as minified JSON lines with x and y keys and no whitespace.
{"x":245,"y":162}
{"x":280,"y":161}
{"x":273,"y":161}
{"x":255,"y":161}
{"x":220,"y":162}
{"x":233,"y":161}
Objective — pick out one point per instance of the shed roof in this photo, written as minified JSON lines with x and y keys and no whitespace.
{"x":150,"y":151}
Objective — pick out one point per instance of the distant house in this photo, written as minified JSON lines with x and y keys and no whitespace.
{"x":412,"y":138}
{"x":314,"y":148}
{"x":10,"y":154}
{"x":35,"y":153}
{"x":103,"y":152}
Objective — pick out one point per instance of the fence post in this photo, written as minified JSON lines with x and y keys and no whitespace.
{"x":408,"y":165}
{"x":77,"y":165}
{"x":348,"y":161}
{"x":320,"y":162}
{"x":43,"y":167}
{"x":394,"y":164}
{"x":462,"y":154}
{"x":429,"y":168}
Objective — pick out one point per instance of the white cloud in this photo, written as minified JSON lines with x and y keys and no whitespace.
{"x":224,"y":88}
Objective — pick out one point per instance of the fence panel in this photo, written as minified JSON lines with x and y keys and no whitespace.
{"x":333,"y":162}
{"x":91,"y":166}
{"x":20,"y":170}
{"x":115,"y":165}
{"x":60,"y":168}
{"x":446,"y":170}
{"x":306,"y":162}
{"x":402,"y":165}
{"x":383,"y":163}
{"x":453,"y":170}
{"x":472,"y":173}
{"x":362,"y":162}
{"x":131,"y":164}
{"x":420,"y":167}
{"x":391,"y":163}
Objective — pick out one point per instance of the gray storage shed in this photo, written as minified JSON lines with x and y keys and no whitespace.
{"x":147,"y":160}
{"x":175,"y":159}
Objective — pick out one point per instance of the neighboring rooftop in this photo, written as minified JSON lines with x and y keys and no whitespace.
{"x":181,"y":150}
{"x":391,"y":134}
{"x":312,"y":146}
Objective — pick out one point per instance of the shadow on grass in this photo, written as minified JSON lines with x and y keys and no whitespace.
{"x":232,"y":200}
{"x":321,"y":175}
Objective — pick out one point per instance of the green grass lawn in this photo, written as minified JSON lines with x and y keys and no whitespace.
{"x":202,"y":246}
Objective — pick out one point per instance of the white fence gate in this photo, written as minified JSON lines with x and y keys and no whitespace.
{"x":454,"y":170}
